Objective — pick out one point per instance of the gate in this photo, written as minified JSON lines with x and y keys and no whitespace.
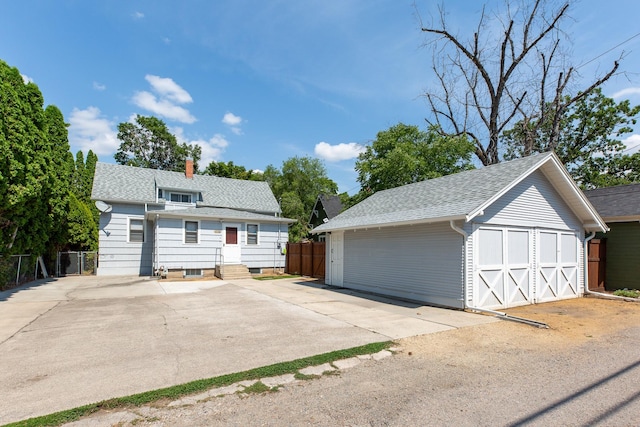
{"x":597,"y":264}
{"x":306,"y":259}
{"x":76,"y":263}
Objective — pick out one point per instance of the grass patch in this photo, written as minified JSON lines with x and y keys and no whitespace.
{"x":178,"y":391}
{"x":255,"y":388}
{"x":628,"y":293}
{"x":276,"y":277}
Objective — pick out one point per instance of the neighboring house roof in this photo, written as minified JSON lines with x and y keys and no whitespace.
{"x":462,"y":196}
{"x":118,"y":183}
{"x":219,"y":214}
{"x":616,"y":204}
{"x":330,"y":204}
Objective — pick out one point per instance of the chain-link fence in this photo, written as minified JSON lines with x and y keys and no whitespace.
{"x":17,"y":269}
{"x":72,"y":263}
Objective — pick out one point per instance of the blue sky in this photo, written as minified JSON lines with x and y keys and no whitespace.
{"x":257,"y":82}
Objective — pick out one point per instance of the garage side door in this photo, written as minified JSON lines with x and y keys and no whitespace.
{"x":558,"y":266}
{"x":503,"y":268}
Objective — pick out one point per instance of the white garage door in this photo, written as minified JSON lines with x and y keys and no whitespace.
{"x":517,"y":266}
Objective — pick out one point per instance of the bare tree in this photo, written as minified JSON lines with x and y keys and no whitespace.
{"x":511,"y":69}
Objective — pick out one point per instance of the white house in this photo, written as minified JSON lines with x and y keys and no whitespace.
{"x":188,"y":225}
{"x":509,"y":234}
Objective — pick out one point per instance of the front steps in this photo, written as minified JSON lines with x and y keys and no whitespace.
{"x":233,"y":272}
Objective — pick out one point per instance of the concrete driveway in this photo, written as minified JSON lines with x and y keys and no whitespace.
{"x":79,"y":340}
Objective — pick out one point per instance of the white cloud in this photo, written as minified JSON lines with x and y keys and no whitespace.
{"x":162,"y":107}
{"x":626,"y":92}
{"x":212,"y":148}
{"x":233,"y":122}
{"x":166,"y":40}
{"x":90,"y":130}
{"x":167,"y":88}
{"x":336,"y":153}
{"x":260,"y":171}
{"x":99,"y":86}
{"x":166,"y":104}
{"x":231,"y":119}
{"x":137,"y":15}
{"x":633,"y":144}
{"x":26,"y":79}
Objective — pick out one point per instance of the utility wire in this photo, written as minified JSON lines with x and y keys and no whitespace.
{"x":605,"y":52}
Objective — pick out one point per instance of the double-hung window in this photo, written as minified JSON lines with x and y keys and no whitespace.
{"x":252,"y":234}
{"x":136,"y":230}
{"x":191,"y":231}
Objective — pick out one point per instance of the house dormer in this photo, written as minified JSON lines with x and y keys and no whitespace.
{"x":178,"y":198}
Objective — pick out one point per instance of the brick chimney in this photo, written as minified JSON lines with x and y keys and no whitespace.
{"x":188,"y":169}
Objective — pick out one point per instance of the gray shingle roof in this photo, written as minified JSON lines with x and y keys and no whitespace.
{"x":139,"y":185}
{"x":616,"y":202}
{"x":331,"y":204}
{"x":221,"y":214}
{"x":452,"y":196}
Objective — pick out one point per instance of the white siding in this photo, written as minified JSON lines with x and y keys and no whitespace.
{"x":266,"y":253}
{"x":173,"y":253}
{"x":532,"y":203}
{"x":116,"y":255}
{"x":421,"y":262}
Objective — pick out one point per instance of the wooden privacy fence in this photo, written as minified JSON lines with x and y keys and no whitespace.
{"x":306,"y":259}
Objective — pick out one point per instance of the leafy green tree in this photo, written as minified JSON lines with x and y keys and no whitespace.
{"x":404,"y":154}
{"x":148,"y":143}
{"x":82,"y":231}
{"x":587,"y":142}
{"x":231,"y":170}
{"x":297,"y":185}
{"x":24,"y":175}
{"x":60,"y":165}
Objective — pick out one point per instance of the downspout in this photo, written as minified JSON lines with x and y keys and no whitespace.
{"x":586,"y":275}
{"x":499,"y":314}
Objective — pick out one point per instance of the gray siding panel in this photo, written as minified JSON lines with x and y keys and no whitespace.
{"x":266,"y":253}
{"x":421,"y":262}
{"x":532,"y":203}
{"x":116,"y":255}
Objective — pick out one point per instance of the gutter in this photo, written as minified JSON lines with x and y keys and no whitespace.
{"x":500,"y":314}
{"x":586,"y":276}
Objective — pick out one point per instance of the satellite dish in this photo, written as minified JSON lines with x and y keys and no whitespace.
{"x":102,"y":206}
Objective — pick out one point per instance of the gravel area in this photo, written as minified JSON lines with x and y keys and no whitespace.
{"x":583,"y":371}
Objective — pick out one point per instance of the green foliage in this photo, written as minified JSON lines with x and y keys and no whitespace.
{"x":628,"y":293}
{"x":297,"y":185}
{"x":82,"y":228}
{"x":588,"y":141}
{"x":230,"y":170}
{"x":147,"y":143}
{"x":27,"y":173}
{"x":404,"y":154}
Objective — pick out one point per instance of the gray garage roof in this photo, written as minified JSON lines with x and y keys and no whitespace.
{"x":461,"y":196}
{"x":619,"y":203}
{"x":118,"y":183}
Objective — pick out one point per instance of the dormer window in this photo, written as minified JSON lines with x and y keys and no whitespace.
{"x":180,"y":198}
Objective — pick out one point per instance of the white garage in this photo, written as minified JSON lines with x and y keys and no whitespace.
{"x":497,"y":237}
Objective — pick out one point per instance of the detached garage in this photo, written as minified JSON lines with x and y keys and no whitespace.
{"x":497,"y":237}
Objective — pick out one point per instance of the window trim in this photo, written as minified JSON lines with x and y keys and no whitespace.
{"x":184,"y":232}
{"x":190,"y":195}
{"x":257,"y":233}
{"x":129,"y":221}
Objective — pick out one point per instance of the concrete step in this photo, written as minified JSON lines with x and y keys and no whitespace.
{"x":233,"y":272}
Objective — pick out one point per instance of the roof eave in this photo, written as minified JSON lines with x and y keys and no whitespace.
{"x":388,"y":224}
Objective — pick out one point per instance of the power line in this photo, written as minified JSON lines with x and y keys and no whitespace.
{"x":613,"y":48}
